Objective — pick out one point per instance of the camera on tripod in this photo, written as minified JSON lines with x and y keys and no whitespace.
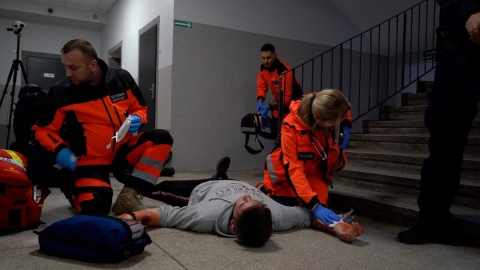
{"x":17,"y":27}
{"x":16,"y":65}
{"x":19,"y":24}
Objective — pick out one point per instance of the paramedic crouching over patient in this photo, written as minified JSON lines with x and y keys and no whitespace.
{"x":78,"y":119}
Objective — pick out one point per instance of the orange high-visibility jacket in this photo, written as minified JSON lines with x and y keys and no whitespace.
{"x":85,"y":117}
{"x":268,"y":78}
{"x":296,"y":169}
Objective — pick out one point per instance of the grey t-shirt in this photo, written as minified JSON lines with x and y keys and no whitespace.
{"x":211,"y":205}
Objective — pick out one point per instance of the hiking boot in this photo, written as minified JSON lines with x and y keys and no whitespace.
{"x":222,"y":167}
{"x":167,"y":171}
{"x":128,"y":200}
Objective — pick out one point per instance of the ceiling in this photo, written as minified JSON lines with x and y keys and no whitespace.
{"x":98,"y":6}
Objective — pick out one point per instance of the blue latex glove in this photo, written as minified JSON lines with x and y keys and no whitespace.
{"x":346,"y":137}
{"x":135,"y":124}
{"x":259,"y":105}
{"x":67,"y":159}
{"x":265,"y":109}
{"x":325,"y":215}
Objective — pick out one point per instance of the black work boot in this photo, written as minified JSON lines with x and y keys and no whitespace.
{"x":430,"y":229}
{"x":222,"y":167}
{"x":167,"y":171}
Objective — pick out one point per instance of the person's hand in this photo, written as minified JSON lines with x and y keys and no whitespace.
{"x":149,"y":217}
{"x":325,"y":215}
{"x":67,"y":159}
{"x":259,"y":105}
{"x":135,"y":124}
{"x":473,"y":27}
{"x":346,"y":137}
{"x":265,"y":109}
{"x":348,"y":232}
{"x":344,"y":231}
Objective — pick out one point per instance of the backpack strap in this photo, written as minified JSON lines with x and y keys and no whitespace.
{"x":251,"y":150}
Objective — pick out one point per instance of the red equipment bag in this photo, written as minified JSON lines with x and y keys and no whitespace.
{"x":20,"y":208}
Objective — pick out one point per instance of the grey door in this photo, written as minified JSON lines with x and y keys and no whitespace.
{"x":43,"y":70}
{"x":147,"y":72}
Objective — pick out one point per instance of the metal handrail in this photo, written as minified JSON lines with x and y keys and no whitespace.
{"x":375,"y":65}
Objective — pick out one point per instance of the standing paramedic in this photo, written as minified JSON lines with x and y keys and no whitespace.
{"x":300,"y":171}
{"x":268,"y":75}
{"x":78,"y":119}
{"x":449,"y":115}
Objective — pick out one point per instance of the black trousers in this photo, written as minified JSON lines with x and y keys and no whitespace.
{"x":449,"y":115}
{"x":175,"y":192}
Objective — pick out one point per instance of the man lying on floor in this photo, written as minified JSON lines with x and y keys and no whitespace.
{"x":234,"y":208}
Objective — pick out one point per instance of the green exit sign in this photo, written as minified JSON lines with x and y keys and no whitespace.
{"x":429,"y":55}
{"x":182,"y":24}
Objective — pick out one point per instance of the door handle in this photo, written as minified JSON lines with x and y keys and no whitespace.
{"x":151,"y":89}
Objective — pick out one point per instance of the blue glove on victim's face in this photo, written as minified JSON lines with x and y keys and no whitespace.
{"x":346,"y":137}
{"x":259,"y":105}
{"x":265,"y":109}
{"x":135,"y":124}
{"x":325,"y":215}
{"x":67,"y":159}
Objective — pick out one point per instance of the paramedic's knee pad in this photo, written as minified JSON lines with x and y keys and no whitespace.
{"x":101,"y":202}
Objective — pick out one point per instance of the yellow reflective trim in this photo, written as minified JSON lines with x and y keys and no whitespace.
{"x":15,"y":157}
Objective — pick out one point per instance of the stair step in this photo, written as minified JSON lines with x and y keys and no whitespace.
{"x":382,"y":178}
{"x":413,"y":112}
{"x":416,"y":112}
{"x":395,"y":209}
{"x":407,"y":101}
{"x":424,"y":87}
{"x":416,"y":143}
{"x":404,"y":183}
{"x":406,"y":127}
{"x":405,"y":161}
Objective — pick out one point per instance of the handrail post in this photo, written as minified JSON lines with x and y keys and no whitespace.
{"x":403,"y":49}
{"x":280,"y":103}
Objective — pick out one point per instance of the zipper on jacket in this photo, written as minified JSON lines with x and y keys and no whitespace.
{"x":111,"y":121}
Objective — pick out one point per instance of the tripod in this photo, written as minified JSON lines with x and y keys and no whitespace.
{"x":13,"y":71}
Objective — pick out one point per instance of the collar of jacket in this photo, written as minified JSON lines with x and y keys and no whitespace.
{"x":292,"y":119}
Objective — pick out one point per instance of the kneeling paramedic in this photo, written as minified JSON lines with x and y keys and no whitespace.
{"x":80,"y":121}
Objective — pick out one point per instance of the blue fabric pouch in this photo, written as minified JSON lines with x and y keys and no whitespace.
{"x":91,"y":238}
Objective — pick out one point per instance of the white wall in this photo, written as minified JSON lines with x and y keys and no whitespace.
{"x":127,"y":18}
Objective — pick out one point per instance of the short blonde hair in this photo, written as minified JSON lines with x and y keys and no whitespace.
{"x":328,"y":105}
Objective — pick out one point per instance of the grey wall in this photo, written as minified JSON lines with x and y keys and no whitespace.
{"x":314,"y":21}
{"x":214,"y":86}
{"x":207,"y":74}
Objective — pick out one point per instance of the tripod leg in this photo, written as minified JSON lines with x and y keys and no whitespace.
{"x":8,"y":82}
{"x":9,"y":126}
{"x":23,"y":72}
